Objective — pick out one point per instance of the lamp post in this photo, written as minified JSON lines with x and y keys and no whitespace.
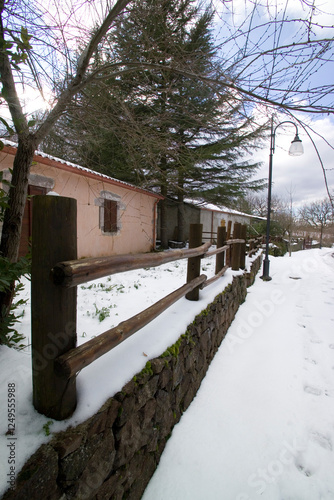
{"x":296,"y":149}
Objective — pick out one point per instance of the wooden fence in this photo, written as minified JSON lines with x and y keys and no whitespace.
{"x":56,"y":272}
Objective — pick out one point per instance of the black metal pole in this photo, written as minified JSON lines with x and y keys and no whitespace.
{"x":265,"y":275}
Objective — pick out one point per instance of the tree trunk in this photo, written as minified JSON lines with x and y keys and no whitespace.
{"x":27,"y":143}
{"x":180,"y":221}
{"x":163,"y":219}
{"x":163,"y":212}
{"x":180,"y":208}
{"x":11,"y":229}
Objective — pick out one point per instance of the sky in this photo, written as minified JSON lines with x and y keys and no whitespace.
{"x":302,"y":176}
{"x":261,"y":425}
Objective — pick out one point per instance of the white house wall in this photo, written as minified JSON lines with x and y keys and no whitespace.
{"x":211,"y":219}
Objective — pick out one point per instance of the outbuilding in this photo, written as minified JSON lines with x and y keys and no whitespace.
{"x":114,"y":217}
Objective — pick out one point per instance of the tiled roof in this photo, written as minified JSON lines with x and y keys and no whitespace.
{"x":58,"y":162}
{"x":215,"y":208}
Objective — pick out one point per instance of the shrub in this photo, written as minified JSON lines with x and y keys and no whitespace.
{"x":278,"y":249}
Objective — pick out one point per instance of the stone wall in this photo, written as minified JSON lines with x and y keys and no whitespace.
{"x":113,"y":454}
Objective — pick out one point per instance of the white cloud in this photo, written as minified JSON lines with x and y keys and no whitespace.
{"x":302,"y":175}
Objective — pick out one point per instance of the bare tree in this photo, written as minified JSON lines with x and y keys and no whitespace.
{"x":318,"y":215}
{"x":277,"y":48}
{"x":28,"y":141}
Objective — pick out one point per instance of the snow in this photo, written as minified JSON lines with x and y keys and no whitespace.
{"x":122,"y":296}
{"x":262,"y":423}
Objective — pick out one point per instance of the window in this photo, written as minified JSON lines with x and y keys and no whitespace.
{"x":110,"y":216}
{"x":110,"y":212}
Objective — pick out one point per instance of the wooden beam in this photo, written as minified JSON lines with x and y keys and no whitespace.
{"x":53,"y":309}
{"x":243,"y":235}
{"x":76,"y":272}
{"x":221,"y":242}
{"x":70,"y":363}
{"x":235,"y":264}
{"x":216,"y":251}
{"x":215,"y":277}
{"x":194,"y":263}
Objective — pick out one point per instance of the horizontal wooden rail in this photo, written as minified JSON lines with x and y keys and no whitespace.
{"x":56,"y":360}
{"x":75,"y":272}
{"x":215,"y":277}
{"x":216,"y":251}
{"x":74,"y":360}
{"x":254,"y":250}
{"x":236,"y":240}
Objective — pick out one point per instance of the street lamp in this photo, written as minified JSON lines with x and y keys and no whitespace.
{"x":296,"y":149}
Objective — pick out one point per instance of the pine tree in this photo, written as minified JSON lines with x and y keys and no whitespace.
{"x":160,"y":128}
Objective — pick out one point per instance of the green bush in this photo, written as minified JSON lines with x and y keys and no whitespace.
{"x":275,"y":228}
{"x":279,"y":249}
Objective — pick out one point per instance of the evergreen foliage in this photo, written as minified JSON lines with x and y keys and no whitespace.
{"x":159,"y":128}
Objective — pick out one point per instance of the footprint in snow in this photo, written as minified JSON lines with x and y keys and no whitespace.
{"x":312,"y":361}
{"x":302,"y":466}
{"x":312,"y":390}
{"x":323,"y":441}
{"x":331,"y":346}
{"x":304,"y":470}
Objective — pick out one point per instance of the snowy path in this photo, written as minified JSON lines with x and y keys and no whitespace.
{"x":262,"y":423}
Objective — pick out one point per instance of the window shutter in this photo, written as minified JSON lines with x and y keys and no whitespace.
{"x":110,"y":216}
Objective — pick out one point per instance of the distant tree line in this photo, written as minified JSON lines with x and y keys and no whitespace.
{"x":287,"y":221}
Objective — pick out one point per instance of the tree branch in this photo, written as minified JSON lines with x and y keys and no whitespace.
{"x":8,"y":85}
{"x":77,"y":82}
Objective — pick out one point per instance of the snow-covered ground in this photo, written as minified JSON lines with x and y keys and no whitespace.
{"x":262,"y":423}
{"x":102,"y":304}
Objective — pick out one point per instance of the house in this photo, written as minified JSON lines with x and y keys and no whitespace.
{"x":213,"y":216}
{"x":191,"y":216}
{"x":114,"y":217}
{"x":197,"y":212}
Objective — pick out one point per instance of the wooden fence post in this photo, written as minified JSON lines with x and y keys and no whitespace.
{"x":243,"y":236}
{"x":194,"y":263}
{"x":236,"y":247}
{"x":53,"y":308}
{"x":221,"y":241}
{"x":228,"y":236}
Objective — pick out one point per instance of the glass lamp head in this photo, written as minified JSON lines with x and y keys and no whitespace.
{"x":296,"y":148}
